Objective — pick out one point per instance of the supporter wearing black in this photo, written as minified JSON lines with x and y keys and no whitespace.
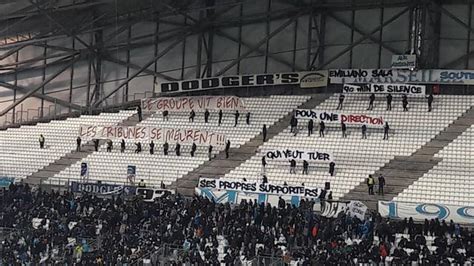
{"x":364,"y":131}
{"x":264,"y":132}
{"x":206,"y":116}
{"x":209,"y":152}
{"x":343,"y":129}
{"x":152,"y":147}
{"x":78,"y":144}
{"x":96,"y":144}
{"x":237,"y":114}
{"x":165,"y":115}
{"x":310,"y":127}
{"x":139,"y":112}
{"x":193,"y":149}
{"x":264,"y":164}
{"x":381,"y":184}
{"x":389,"y":102}
{"x":165,"y":148}
{"x":264,"y":179}
{"x":386,"y":128}
{"x":41,"y":141}
{"x":371,"y":102}
{"x":430,"y":101}
{"x":220,"y":117}
{"x":293,"y":124}
{"x":305,"y":167}
{"x":227,"y":148}
{"x":177,"y":149}
{"x":322,"y":127}
{"x":341,"y":101}
{"x":192,"y":114}
{"x":247,"y":118}
{"x":138,"y":148}
{"x":405,"y":103}
{"x":292,"y":166}
{"x":370,"y":184}
{"x":332,"y":167}
{"x":122,"y":146}
{"x":109,"y":145}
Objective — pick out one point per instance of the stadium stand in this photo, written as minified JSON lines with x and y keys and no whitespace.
{"x":21,"y":155}
{"x":111,"y":167}
{"x":357,"y":158}
{"x":450,"y":181}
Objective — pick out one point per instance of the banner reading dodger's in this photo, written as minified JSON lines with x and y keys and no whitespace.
{"x":308,"y":155}
{"x":336,"y":117}
{"x":196,"y":103}
{"x":157,"y":134}
{"x":410,"y":89}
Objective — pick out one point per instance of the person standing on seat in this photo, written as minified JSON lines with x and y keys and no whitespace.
{"x":405,"y":103}
{"x":370,"y":184}
{"x":220,"y":117}
{"x":165,"y":148}
{"x":206,"y":116}
{"x":139,"y":147}
{"x":139,"y":112}
{"x":165,"y":115}
{"x":192,"y":114}
{"x":343,"y":129}
{"x":109,"y":145}
{"x":237,"y":114}
{"x":209,"y":152}
{"x":292,"y":166}
{"x":96,"y":144}
{"x":430,"y":101}
{"x":152,"y":147}
{"x":122,"y":146}
{"x":381,"y":184}
{"x":310,"y":127}
{"x":177,"y":149}
{"x":227,"y":148}
{"x":386,"y":128}
{"x":264,"y":132}
{"x":305,"y":167}
{"x":78,"y":144}
{"x":293,"y":124}
{"x":322,"y":127}
{"x":193,"y":149}
{"x":41,"y":141}
{"x":371,"y":101}
{"x":247,"y":118}
{"x":264,"y":164}
{"x":332,"y":167}
{"x":389,"y":102}
{"x":341,"y":100}
{"x":364,"y":131}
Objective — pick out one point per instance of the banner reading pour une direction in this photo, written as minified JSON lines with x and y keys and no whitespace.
{"x":158,"y":134}
{"x":335,"y":117}
{"x":196,"y":103}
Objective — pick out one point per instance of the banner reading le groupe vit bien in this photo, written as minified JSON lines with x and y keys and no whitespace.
{"x":157,"y":134}
{"x":336,"y":117}
{"x":410,"y":89}
{"x":401,"y":76}
{"x":422,"y":211}
{"x":308,"y":155}
{"x":196,"y":103}
{"x":310,"y":79}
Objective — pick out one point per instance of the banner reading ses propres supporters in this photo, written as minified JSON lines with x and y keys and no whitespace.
{"x":311,"y":79}
{"x":196,"y":103}
{"x":257,"y":187}
{"x":335,"y":117}
{"x":287,"y":154}
{"x":422,"y":211}
{"x":157,"y":134}
{"x":401,"y":76}
{"x":411,"y":89}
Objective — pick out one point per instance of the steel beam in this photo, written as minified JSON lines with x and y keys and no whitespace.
{"x":109,"y":58}
{"x":37,"y":88}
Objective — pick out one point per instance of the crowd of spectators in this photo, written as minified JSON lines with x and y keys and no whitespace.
{"x":88,"y":230}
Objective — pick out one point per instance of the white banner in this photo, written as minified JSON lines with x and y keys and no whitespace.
{"x":157,"y":134}
{"x":404,"y":61}
{"x":196,"y":103}
{"x":357,"y":209}
{"x":331,"y":209}
{"x":422,"y":211}
{"x":310,"y":79}
{"x":308,"y":155}
{"x":257,"y":187}
{"x":401,"y":76}
{"x":336,"y":117}
{"x":411,"y":89}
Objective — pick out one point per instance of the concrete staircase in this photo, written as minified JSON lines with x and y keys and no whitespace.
{"x":403,"y":171}
{"x":219,"y":165}
{"x":72,"y":157}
